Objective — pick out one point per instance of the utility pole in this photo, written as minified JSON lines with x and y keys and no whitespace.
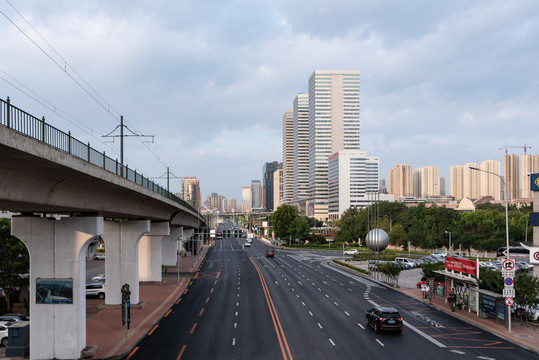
{"x":122,"y":135}
{"x":168,"y":177}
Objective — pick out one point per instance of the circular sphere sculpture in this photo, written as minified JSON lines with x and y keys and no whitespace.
{"x":377,"y":240}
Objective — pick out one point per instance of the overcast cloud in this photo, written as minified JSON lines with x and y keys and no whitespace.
{"x":442,"y":83}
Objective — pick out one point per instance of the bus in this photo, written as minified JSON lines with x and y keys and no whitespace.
{"x":517,"y":253}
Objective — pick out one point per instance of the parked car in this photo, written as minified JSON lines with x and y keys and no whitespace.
{"x":351,"y":252}
{"x":99,"y":278}
{"x":384,"y":318}
{"x":405,"y":260}
{"x":95,"y":289}
{"x":99,"y":257}
{"x":3,"y":334}
{"x":17,"y":316}
{"x":247,"y":243}
{"x":270,"y":253}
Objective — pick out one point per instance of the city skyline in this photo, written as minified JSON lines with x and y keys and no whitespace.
{"x":441,"y":83}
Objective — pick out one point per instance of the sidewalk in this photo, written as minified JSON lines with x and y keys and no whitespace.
{"x":105,"y":329}
{"x":521,"y":335}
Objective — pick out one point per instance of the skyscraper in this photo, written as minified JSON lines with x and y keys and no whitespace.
{"x":256,"y":195}
{"x":246,"y":199}
{"x":333,"y":126}
{"x":301,"y":147}
{"x":288,"y":156}
{"x":278,"y":186}
{"x":512,"y":176}
{"x":268,"y":171}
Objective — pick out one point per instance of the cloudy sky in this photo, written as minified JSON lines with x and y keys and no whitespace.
{"x":442,"y":82}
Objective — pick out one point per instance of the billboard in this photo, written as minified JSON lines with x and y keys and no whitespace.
{"x":54,"y":291}
{"x":461,"y":265}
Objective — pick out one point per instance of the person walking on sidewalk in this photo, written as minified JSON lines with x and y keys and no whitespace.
{"x":428,"y":292}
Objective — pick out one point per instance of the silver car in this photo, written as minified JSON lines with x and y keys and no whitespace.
{"x":95,"y":289}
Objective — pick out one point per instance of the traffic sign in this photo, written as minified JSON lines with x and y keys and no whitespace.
{"x":508,"y":264}
{"x":508,"y":281}
{"x":508,"y":273}
{"x":509,"y":301}
{"x":508,"y":292}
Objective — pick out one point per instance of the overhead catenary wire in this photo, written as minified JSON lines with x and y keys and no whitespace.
{"x":83,"y":84}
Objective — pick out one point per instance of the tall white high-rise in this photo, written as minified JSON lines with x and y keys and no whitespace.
{"x":288,"y":156}
{"x":333,"y":126}
{"x":352,"y":176}
{"x":246,"y":199}
{"x":456,"y":182}
{"x":530,"y":164}
{"x":301,"y":147}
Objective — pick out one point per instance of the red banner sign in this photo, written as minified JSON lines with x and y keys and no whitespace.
{"x":461,"y":265}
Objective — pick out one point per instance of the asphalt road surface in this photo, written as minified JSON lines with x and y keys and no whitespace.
{"x":243,"y":305}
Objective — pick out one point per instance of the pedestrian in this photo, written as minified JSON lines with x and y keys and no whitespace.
{"x":424,"y":290}
{"x":451,"y":299}
{"x":460,"y":303}
{"x":429,"y":294}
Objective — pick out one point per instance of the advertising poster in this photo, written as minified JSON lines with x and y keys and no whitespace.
{"x":54,"y":291}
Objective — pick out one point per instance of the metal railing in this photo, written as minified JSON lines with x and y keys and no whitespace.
{"x":26,"y":124}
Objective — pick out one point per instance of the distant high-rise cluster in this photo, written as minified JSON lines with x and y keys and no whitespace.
{"x":220,"y":203}
{"x":322,"y":130}
{"x":465,"y":182}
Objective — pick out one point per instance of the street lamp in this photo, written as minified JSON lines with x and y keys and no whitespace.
{"x":449,"y":250}
{"x":506,"y":223}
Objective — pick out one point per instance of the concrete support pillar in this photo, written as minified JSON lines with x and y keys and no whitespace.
{"x":149,"y":252}
{"x":57,"y":251}
{"x":121,"y":265}
{"x":169,"y":246}
{"x":187,"y":237}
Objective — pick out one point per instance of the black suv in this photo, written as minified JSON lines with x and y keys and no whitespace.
{"x":384,"y":318}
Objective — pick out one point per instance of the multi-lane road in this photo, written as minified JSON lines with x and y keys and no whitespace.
{"x":243,"y":305}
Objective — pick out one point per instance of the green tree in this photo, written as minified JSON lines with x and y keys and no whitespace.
{"x":527,"y":290}
{"x":14,"y":262}
{"x":490,"y":279}
{"x":391,"y":270}
{"x":299,"y":228}
{"x":282,"y":218}
{"x":428,"y":270}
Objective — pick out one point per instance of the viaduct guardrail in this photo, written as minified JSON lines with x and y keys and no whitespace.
{"x":29,"y":125}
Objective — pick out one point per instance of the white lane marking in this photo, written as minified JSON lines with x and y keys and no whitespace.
{"x":237,"y":304}
{"x":349,"y":289}
{"x":299,"y":282}
{"x":311,"y":313}
{"x":297,"y":295}
{"x":346,"y":312}
{"x":327,"y":295}
{"x":361,"y":326}
{"x":319,"y":289}
{"x":485,"y":358}
{"x":234,"y":342}
{"x":379,"y":342}
{"x":302,"y":303}
{"x":336,"y":304}
{"x":235,"y":325}
{"x":325,"y":282}
{"x":331,"y":341}
{"x":320,"y":326}
{"x":458,"y":352}
{"x":429,"y":338}
{"x":292,"y":289}
{"x":236,"y":313}
{"x":277,"y":283}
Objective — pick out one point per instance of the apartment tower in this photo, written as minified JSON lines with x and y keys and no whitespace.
{"x":301,"y":147}
{"x":191,"y":191}
{"x":401,"y":180}
{"x":333,"y":126}
{"x":288,"y":156}
{"x":512,"y":176}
